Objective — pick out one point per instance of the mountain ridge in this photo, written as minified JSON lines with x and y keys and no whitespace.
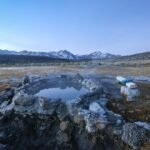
{"x":61,"y":54}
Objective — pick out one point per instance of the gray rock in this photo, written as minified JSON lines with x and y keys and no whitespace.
{"x":7,"y":94}
{"x":26,"y":79}
{"x":91,"y":84}
{"x":48,"y":103}
{"x":96,"y":108}
{"x":78,"y":78}
{"x":64,"y":125}
{"x":7,"y":110}
{"x":62,"y":111}
{"x":64,"y":76}
{"x":4,"y":104}
{"x":134,"y":135}
{"x":63,"y":137}
{"x":25,"y":100}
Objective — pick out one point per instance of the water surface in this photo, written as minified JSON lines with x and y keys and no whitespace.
{"x":68,"y":93}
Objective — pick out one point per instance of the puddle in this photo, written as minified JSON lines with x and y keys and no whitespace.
{"x":68,"y":93}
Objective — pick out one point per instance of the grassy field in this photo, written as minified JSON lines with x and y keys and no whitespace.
{"x":107,"y":67}
{"x":7,"y":72}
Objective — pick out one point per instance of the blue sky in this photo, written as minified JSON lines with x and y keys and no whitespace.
{"x":80,"y":26}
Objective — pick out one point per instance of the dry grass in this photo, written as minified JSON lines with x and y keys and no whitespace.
{"x":7,"y":72}
{"x":118,"y":70}
{"x":4,"y":86}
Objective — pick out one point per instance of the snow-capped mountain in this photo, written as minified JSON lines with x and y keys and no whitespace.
{"x":100,"y":55}
{"x":62,"y":54}
{"x":7,"y":52}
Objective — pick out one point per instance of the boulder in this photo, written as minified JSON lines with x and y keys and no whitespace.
{"x":78,"y":78}
{"x":63,"y":76}
{"x":25,"y":100}
{"x":96,"y":108}
{"x":26,"y":79}
{"x":4,"y":104}
{"x":91,"y":84}
{"x":7,"y":110}
{"x":7,"y":94}
{"x":62,"y":111}
{"x":134,"y":135}
{"x":48,"y":103}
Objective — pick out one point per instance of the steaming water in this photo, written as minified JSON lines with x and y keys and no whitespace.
{"x":68,"y":93}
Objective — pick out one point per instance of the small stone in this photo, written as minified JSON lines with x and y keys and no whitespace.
{"x":41,"y":102}
{"x":64,"y":125}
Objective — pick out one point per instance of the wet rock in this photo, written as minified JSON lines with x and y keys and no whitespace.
{"x":96,"y":108}
{"x":117,"y":130}
{"x":91,"y":84}
{"x":114,"y":119}
{"x":48,"y":103}
{"x":4,"y":147}
{"x":102,"y":101}
{"x":19,"y":94}
{"x":62,"y":111}
{"x":134,"y":135}
{"x":77,"y":119}
{"x":7,"y":110}
{"x":64,"y":76}
{"x":90,"y":122}
{"x":6,"y":95}
{"x":4,"y":104}
{"x":89,"y":97}
{"x":93,"y":121}
{"x":64,"y":125}
{"x":78,"y":78}
{"x":63,"y":138}
{"x":25,"y":100}
{"x":26,"y":79}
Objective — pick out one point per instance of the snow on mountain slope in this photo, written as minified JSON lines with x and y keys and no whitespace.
{"x":62,"y":54}
{"x":100,"y":55}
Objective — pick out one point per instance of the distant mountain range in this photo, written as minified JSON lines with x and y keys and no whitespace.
{"x":66,"y":55}
{"x":137,"y":56}
{"x":62,"y":54}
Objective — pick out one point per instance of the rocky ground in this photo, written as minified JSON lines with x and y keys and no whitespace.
{"x":100,"y":119}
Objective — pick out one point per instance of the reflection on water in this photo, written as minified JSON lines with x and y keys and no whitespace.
{"x":68,"y":93}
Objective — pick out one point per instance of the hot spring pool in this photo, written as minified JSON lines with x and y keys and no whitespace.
{"x":68,"y":93}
